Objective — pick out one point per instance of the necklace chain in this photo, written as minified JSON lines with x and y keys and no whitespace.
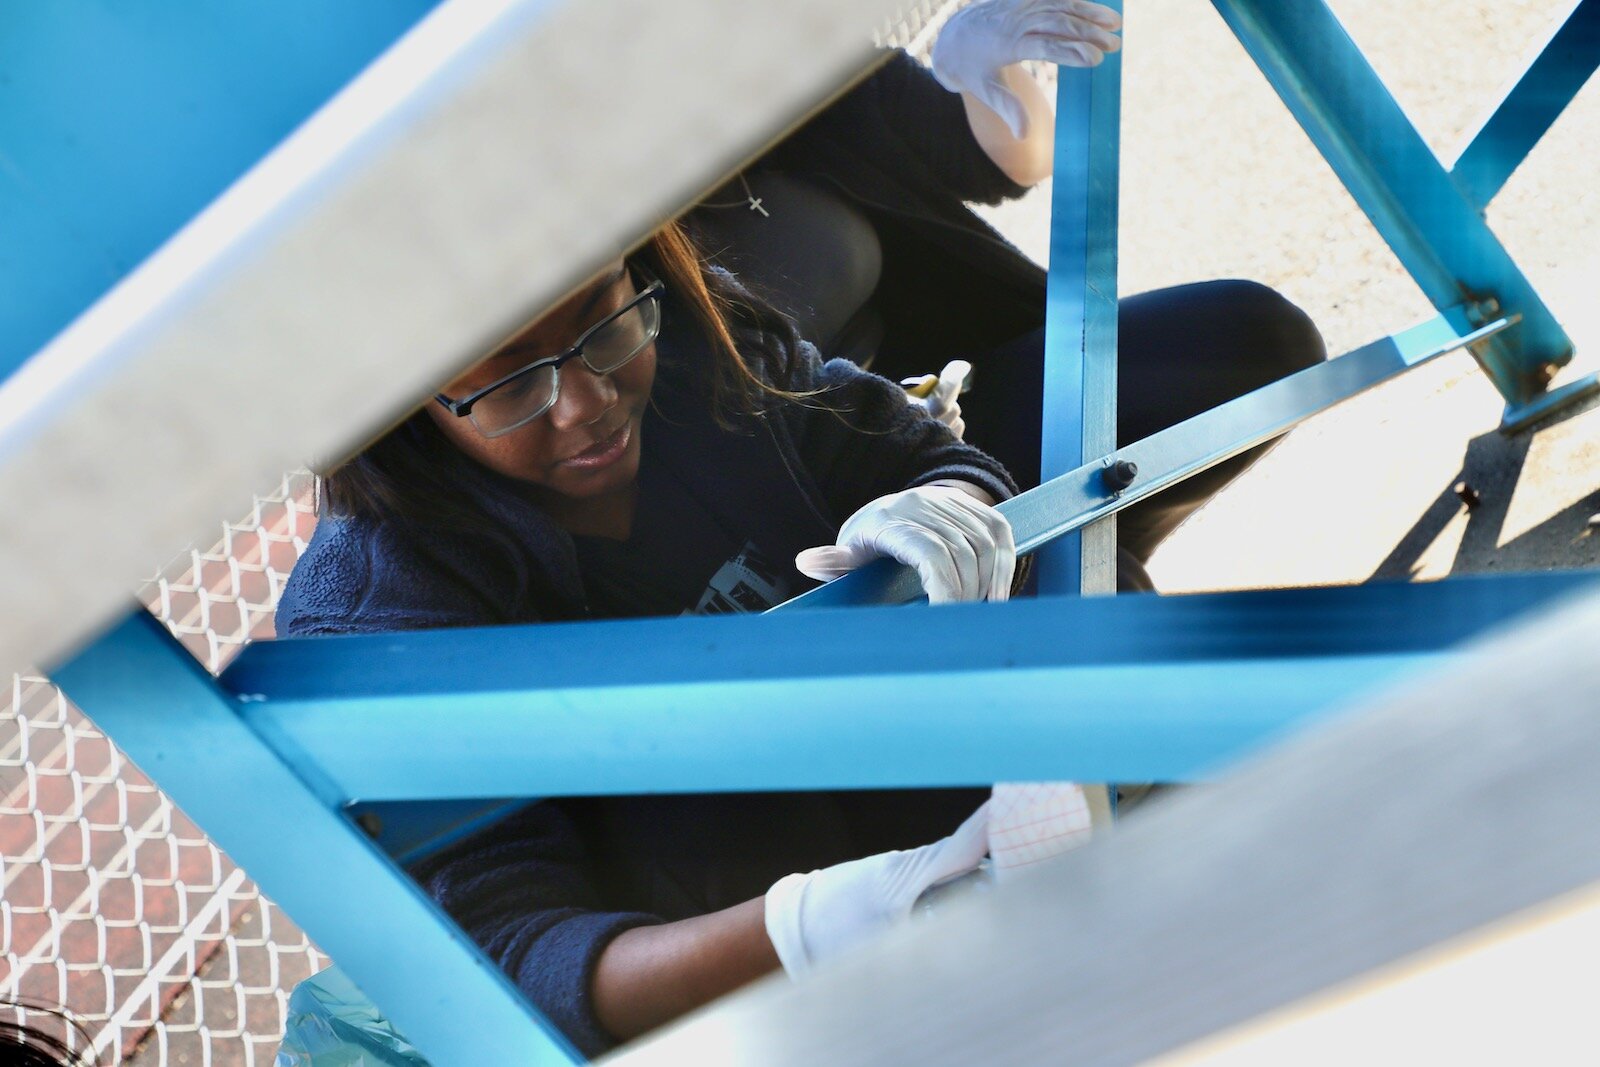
{"x":751,"y":200}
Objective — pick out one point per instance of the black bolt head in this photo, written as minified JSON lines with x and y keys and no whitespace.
{"x":1119,"y":474}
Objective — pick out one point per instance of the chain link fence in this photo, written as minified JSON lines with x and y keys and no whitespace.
{"x":114,"y":905}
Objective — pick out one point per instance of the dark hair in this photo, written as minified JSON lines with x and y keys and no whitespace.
{"x":410,"y":475}
{"x":23,"y":1044}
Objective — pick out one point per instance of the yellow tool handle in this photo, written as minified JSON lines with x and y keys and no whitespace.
{"x":922,"y":387}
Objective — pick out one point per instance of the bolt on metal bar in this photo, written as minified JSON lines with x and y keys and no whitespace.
{"x":1173,"y":454}
{"x":1082,"y":496}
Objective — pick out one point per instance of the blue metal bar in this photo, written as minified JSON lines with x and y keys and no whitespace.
{"x":1534,"y":103}
{"x":121,"y":121}
{"x":1080,"y":366}
{"x":411,"y":832}
{"x":1092,"y":689}
{"x":1207,"y":439}
{"x":168,"y":715}
{"x":1434,"y":230}
{"x":1526,"y":414}
{"x":1066,"y":503}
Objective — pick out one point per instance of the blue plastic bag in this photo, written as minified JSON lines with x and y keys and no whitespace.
{"x":332,"y":1024}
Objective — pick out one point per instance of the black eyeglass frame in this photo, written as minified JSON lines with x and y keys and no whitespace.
{"x":653,"y":291}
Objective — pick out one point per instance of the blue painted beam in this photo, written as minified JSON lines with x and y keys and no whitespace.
{"x":120,"y":122}
{"x":161,"y":708}
{"x":1191,"y":446}
{"x":1080,"y":364}
{"x":1532,"y":106}
{"x":1432,"y":227}
{"x":1079,"y":497}
{"x":1096,"y":689}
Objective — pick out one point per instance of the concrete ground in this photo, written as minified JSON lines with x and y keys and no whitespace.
{"x":1218,"y":181}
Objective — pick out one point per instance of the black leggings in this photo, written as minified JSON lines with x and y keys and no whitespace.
{"x":1181,"y":351}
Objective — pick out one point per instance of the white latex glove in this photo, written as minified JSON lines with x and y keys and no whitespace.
{"x":943,"y":401}
{"x":813,"y":917}
{"x":962,"y":548}
{"x":985,"y":37}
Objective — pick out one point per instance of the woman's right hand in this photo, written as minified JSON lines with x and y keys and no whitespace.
{"x":961,"y":547}
{"x":815,"y":916}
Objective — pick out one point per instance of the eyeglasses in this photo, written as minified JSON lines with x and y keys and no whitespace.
{"x":525,"y":394}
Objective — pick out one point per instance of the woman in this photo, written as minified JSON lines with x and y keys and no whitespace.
{"x":661,"y":443}
{"x":712,"y":470}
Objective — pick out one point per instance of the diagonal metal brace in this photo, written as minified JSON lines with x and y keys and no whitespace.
{"x":1433,"y":227}
{"x":1082,"y":495}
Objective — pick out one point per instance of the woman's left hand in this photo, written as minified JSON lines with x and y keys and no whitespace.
{"x":983,"y":38}
{"x":961,"y":547}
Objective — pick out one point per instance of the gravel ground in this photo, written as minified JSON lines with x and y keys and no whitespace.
{"x":1218,"y":181}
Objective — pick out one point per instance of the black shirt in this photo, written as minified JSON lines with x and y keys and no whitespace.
{"x":681,"y":558}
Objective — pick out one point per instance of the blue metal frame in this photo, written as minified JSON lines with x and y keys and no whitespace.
{"x":1136,"y":688}
{"x":1081,"y":497}
{"x":1430,"y":223}
{"x":412,"y":830}
{"x":277,"y":816}
{"x":1130,"y":688}
{"x":1532,"y":106}
{"x":121,"y":121}
{"x":1080,"y":352}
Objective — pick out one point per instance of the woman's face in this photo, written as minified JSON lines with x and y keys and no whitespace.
{"x":587,"y":445}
